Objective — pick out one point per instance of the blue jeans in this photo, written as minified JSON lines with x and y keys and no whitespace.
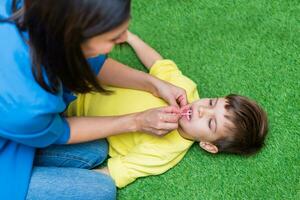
{"x":63,"y":172}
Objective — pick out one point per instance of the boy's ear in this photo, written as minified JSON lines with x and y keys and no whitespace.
{"x":207,"y":146}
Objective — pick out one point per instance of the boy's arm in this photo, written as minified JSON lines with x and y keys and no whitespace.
{"x":145,"y":53}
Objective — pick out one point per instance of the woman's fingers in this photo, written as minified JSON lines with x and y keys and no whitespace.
{"x":170,"y":117}
{"x":165,"y":128}
{"x":159,"y":121}
{"x":169,"y":126}
{"x":182,"y":100}
{"x":171,"y":109}
{"x":172,"y":94}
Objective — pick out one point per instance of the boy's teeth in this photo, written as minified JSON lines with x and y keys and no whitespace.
{"x":190,"y":114}
{"x":187,"y":113}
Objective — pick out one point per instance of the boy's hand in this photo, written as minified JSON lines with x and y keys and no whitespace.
{"x":123,"y":38}
{"x":103,"y":170}
{"x":130,"y":37}
{"x":126,"y":37}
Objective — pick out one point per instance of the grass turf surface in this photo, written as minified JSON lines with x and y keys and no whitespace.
{"x":245,"y":47}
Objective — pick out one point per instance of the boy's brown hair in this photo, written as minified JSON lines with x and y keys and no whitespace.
{"x":250,"y":126}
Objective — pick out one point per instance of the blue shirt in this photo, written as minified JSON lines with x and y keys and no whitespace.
{"x":30,"y":116}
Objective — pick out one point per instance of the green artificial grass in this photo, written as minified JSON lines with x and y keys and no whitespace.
{"x":233,"y":46}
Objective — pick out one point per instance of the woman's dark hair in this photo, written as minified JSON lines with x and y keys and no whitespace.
{"x":250,"y":126}
{"x":57,"y":28}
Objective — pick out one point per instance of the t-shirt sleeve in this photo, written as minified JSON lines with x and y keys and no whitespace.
{"x":39,"y":131}
{"x":96,"y":63}
{"x":164,"y":68}
{"x":148,"y":158}
{"x":35,"y":119}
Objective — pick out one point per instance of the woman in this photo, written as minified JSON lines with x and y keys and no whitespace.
{"x":51,"y":49}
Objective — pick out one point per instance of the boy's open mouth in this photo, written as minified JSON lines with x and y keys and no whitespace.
{"x":187,"y":113}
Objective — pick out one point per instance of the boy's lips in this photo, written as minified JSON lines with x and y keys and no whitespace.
{"x":187,"y":112}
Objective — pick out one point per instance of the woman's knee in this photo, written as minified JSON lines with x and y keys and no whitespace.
{"x":75,"y":184}
{"x":100,"y":186}
{"x":86,"y":155}
{"x":107,"y":188}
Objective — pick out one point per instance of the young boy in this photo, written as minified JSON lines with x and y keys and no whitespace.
{"x":232,"y":124}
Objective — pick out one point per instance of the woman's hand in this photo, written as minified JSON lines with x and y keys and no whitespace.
{"x":158,"y":121}
{"x":172,"y":94}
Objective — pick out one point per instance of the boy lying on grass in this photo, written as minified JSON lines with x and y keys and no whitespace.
{"x":231,"y":124}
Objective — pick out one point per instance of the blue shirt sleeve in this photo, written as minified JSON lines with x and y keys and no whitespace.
{"x":96,"y":63}
{"x":36,"y":127}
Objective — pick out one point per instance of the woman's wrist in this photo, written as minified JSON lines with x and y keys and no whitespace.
{"x":133,"y":122}
{"x":153,"y":85}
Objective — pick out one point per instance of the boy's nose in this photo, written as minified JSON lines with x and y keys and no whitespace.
{"x":205,"y":111}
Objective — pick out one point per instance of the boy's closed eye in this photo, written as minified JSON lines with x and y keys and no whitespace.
{"x":212,"y":122}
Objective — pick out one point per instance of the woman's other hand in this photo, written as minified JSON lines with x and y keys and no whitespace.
{"x":158,"y":121}
{"x":172,"y":94}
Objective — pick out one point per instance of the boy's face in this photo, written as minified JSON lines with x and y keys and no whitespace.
{"x":207,"y":120}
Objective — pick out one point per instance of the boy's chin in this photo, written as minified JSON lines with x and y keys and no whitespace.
{"x":184,"y":134}
{"x":183,"y":121}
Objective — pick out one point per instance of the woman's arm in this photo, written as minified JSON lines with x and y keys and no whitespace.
{"x":145,"y":53}
{"x":117,"y":74}
{"x":157,"y":121}
{"x":84,"y":129}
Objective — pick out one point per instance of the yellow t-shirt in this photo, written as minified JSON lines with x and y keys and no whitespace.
{"x":138,"y":154}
